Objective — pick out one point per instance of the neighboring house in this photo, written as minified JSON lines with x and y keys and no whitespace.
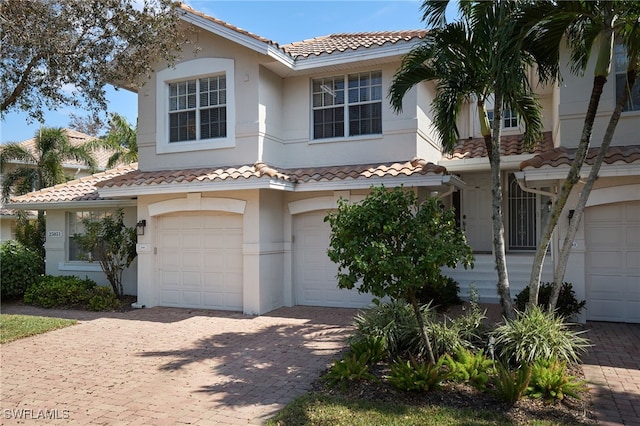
{"x":245,"y":145}
{"x":72,"y":169}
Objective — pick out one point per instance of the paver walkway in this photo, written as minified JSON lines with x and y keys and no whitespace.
{"x":168,"y":366}
{"x":613,"y":369}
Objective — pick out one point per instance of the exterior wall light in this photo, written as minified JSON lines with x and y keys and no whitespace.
{"x":140,"y":227}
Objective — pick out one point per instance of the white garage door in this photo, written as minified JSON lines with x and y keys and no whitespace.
{"x":314,"y":273}
{"x":200,"y":260}
{"x":613,"y":262}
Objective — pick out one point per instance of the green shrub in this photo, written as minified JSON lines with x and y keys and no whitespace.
{"x":70,"y":292}
{"x":102,"y":299}
{"x":469,"y":367}
{"x":567,"y":305}
{"x":465,"y":331}
{"x":550,"y":380}
{"x":350,"y":368}
{"x":510,"y":385}
{"x":395,"y":323}
{"x":19,"y":268}
{"x":418,"y":376}
{"x":373,"y":347}
{"x":535,"y":334}
{"x":441,"y":293}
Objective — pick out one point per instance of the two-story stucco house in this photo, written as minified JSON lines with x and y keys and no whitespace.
{"x":245,"y":145}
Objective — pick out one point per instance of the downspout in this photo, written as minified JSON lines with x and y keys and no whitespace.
{"x":520,"y":178}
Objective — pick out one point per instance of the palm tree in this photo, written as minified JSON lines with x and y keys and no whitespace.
{"x":586,"y":25}
{"x":42,"y":167}
{"x":479,"y":57}
{"x":121,"y":139}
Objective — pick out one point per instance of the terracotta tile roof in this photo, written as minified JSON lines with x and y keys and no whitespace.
{"x":325,"y":44}
{"x":564,"y":157}
{"x":348,"y":41}
{"x":416,"y":166}
{"x":86,"y":189}
{"x":83,"y":189}
{"x":258,"y":170}
{"x":509,"y":145}
{"x":76,"y":138}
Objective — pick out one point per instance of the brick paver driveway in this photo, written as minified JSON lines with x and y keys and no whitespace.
{"x":168,"y":366}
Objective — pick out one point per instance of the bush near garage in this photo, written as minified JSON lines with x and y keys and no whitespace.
{"x":70,"y":292}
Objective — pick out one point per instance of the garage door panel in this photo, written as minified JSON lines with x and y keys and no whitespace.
{"x":613,"y":262}
{"x":200,"y":263}
{"x":315,"y":274}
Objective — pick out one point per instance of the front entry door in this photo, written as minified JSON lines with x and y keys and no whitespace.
{"x":476,"y":211}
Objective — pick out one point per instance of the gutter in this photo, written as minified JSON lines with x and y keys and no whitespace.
{"x":522,"y":183}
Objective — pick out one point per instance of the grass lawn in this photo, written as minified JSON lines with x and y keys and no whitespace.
{"x":14,"y":327}
{"x":329,"y":410}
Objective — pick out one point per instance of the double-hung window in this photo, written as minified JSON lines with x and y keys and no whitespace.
{"x":198,"y":109}
{"x":347,"y":105}
{"x":195,"y":107}
{"x":75,"y":226}
{"x":621,"y":64}
{"x":509,"y":118}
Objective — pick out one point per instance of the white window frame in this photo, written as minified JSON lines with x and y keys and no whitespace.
{"x":73,"y":229}
{"x":508,"y":115}
{"x":194,"y":70}
{"x":346,"y":106}
{"x":621,"y":62}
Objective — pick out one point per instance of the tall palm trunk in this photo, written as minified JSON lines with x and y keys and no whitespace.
{"x":572,"y":178}
{"x":492,"y":142}
{"x":601,"y":72}
{"x":563,"y":256}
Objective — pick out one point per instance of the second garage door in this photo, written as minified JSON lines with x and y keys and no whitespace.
{"x":314,"y":273}
{"x":613,"y":262}
{"x":200,"y":260}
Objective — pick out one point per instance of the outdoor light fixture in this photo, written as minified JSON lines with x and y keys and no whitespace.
{"x":140,"y":227}
{"x":570,"y":215}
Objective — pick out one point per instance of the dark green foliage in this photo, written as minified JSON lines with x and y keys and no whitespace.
{"x":550,"y":381}
{"x":70,"y":292}
{"x":391,"y":245}
{"x":469,"y":367}
{"x":465,"y":331}
{"x":351,"y":367}
{"x":418,"y":376}
{"x":31,"y":233}
{"x":511,"y":385}
{"x":395,"y":323}
{"x":536,"y":334}
{"x":442,"y":292}
{"x":373,"y":347}
{"x":113,"y":244}
{"x":567,"y":305}
{"x":19,"y":268}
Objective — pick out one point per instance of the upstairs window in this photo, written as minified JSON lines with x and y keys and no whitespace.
{"x":195,"y":106}
{"x":621,"y":63}
{"x":358,"y":113}
{"x":509,"y":118}
{"x":198,"y":109}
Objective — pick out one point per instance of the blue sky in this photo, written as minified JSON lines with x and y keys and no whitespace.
{"x":280,"y":21}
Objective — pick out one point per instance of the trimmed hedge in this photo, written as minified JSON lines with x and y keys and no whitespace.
{"x":19,"y":268}
{"x":71,"y":292}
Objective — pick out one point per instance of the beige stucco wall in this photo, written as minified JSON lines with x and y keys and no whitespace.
{"x":574,"y":99}
{"x":57,"y":246}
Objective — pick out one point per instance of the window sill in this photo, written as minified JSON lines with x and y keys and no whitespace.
{"x":80,"y":266}
{"x":347,"y":139}
{"x":201,"y":145}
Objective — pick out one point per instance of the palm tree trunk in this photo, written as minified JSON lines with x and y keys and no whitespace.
{"x":499,"y":251}
{"x":572,"y":178}
{"x":565,"y":251}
